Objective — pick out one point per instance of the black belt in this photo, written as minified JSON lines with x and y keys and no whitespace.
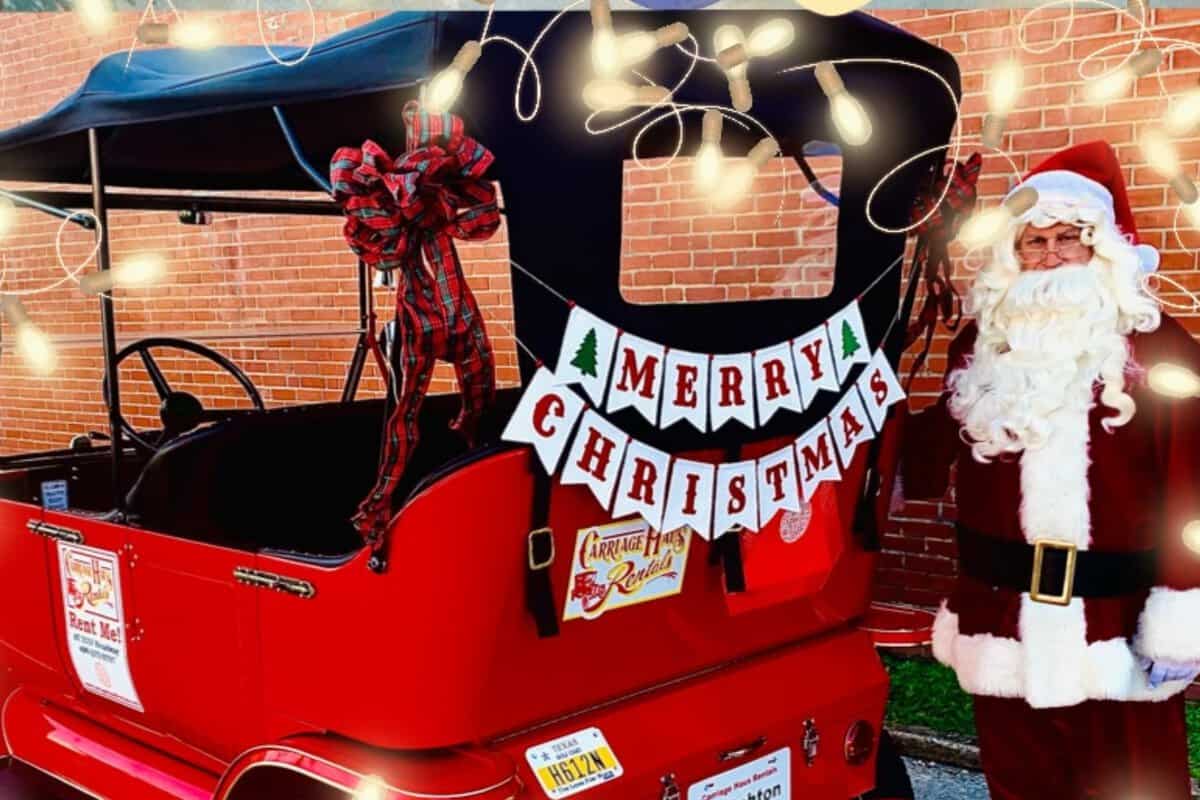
{"x":1053,"y":571}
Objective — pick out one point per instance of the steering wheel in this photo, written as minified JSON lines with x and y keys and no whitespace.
{"x":180,"y":412}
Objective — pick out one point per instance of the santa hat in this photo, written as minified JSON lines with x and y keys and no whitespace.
{"x":1084,"y":184}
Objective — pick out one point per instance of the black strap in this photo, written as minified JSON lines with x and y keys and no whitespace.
{"x":539,"y":555}
{"x":726,"y":548}
{"x":1098,"y":573}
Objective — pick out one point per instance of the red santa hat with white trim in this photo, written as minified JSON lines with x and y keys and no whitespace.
{"x":1084,"y":184}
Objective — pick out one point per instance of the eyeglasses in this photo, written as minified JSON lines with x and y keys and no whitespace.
{"x":1067,"y":244}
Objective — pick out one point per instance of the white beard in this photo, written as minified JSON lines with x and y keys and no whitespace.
{"x":1041,"y":348}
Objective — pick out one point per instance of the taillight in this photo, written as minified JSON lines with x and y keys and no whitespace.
{"x":860,"y":742}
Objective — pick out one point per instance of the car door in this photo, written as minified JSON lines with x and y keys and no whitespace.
{"x":29,"y":631}
{"x":195,"y":641}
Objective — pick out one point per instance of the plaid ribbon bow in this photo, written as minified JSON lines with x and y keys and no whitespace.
{"x":931,"y":257}
{"x":404,"y":215}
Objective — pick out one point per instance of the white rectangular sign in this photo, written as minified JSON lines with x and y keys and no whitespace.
{"x":768,"y":778}
{"x":91,"y":592}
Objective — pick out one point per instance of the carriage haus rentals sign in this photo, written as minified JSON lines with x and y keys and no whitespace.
{"x":618,"y":370}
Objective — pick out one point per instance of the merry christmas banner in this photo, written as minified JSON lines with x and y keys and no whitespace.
{"x":627,"y":476}
{"x":618,"y":370}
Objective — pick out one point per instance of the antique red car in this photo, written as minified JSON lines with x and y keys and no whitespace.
{"x":190,"y":614}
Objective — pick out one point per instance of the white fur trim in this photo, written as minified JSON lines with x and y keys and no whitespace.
{"x":1054,"y":479}
{"x":1169,"y":627}
{"x":1068,"y":196}
{"x":1066,"y":673}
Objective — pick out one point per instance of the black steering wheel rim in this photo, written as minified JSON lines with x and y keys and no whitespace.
{"x":163,"y":389}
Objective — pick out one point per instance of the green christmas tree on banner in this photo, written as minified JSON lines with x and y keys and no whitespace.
{"x":850,"y":343}
{"x":585,"y":356}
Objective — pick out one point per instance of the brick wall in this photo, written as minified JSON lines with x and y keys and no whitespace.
{"x":263,"y":278}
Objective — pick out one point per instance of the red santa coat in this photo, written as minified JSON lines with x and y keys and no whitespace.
{"x":1132,"y":489}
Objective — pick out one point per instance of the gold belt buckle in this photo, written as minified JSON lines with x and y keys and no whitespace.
{"x":534,"y":563}
{"x":1063,"y":598}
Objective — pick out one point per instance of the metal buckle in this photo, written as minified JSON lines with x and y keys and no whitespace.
{"x":534,"y":564}
{"x":1063,"y":598}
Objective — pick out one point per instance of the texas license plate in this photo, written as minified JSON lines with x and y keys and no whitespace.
{"x":571,"y":764}
{"x":766,"y":778}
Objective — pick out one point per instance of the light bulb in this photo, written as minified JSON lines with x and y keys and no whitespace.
{"x":8,"y":217}
{"x":1004,"y":87}
{"x":96,"y":15}
{"x":1112,"y":85}
{"x":1160,"y":154}
{"x":849,"y":117}
{"x":1184,"y":114}
{"x":140,"y":270}
{"x":1191,"y":536}
{"x":986,"y":227}
{"x":709,"y":157}
{"x":735,"y":182}
{"x":730,"y":45}
{"x":605,"y":58}
{"x":770,"y":37}
{"x":832,"y":8}
{"x":1192,"y":212}
{"x":633,"y":48}
{"x":444,"y":89}
{"x":193,"y":34}
{"x":609,"y":94}
{"x":1173,"y":380}
{"x":33,"y":345}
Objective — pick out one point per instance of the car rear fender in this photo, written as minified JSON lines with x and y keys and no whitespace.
{"x":360,"y":771}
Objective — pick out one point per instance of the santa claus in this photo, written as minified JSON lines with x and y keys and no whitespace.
{"x":1075,"y":621}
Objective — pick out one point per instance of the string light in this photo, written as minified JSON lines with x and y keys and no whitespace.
{"x":96,"y":15}
{"x":1160,"y":154}
{"x":1003,"y":89}
{"x":33,"y":345}
{"x":193,"y":34}
{"x":8,"y":217}
{"x":986,"y":227}
{"x":141,"y":270}
{"x":1112,"y":85}
{"x":445,"y":87}
{"x":1184,"y":114}
{"x":735,"y":182}
{"x":832,"y":8}
{"x":849,"y":117}
{"x":634,"y":48}
{"x":709,"y":157}
{"x":1173,"y":380}
{"x":371,"y":787}
{"x":1191,"y":536}
{"x":725,"y":38}
{"x":605,"y":59}
{"x":610,"y":94}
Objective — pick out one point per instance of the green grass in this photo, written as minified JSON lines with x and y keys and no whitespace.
{"x":926,"y":693}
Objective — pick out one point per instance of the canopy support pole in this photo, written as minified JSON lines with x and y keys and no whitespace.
{"x":81,"y":220}
{"x":107,"y":320}
{"x":297,"y":154}
{"x":366,"y":321}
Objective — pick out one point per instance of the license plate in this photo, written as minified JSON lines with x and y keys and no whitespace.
{"x":573,"y":763}
{"x":766,"y":778}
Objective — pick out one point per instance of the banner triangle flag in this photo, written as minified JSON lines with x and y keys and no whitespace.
{"x":775,"y":383}
{"x":814,"y":364}
{"x":816,"y":458}
{"x":690,"y":497}
{"x":778,"y":485}
{"x":595,"y":457}
{"x":586,"y":353}
{"x":544,"y":418}
{"x":850,"y":424}
{"x":880,"y":389}
{"x":685,"y":390}
{"x":848,"y":340}
{"x":637,"y":376}
{"x":642,"y":488}
{"x":731,"y":389}
{"x":737,"y":497}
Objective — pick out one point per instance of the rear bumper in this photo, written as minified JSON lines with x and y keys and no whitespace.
{"x":683,"y":730}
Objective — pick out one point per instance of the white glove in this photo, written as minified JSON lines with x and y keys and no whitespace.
{"x":1160,"y":671}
